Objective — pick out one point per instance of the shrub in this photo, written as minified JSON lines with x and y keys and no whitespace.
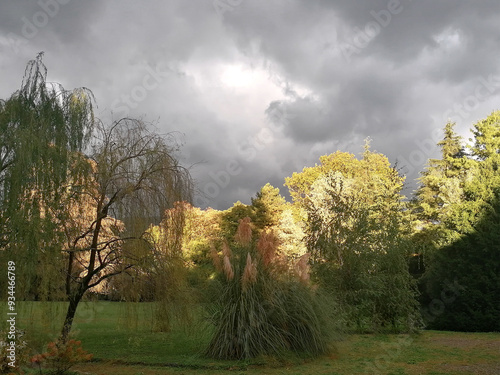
{"x":61,"y":357}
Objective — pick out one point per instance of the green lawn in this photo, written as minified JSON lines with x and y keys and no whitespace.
{"x":122,"y":338}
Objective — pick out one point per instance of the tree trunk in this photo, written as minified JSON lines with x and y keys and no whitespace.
{"x":75,"y":299}
{"x":70,"y":315}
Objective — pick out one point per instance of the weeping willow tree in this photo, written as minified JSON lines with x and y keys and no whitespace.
{"x":134,"y":178}
{"x":77,"y":197}
{"x":42,"y":127}
{"x":168,"y":271}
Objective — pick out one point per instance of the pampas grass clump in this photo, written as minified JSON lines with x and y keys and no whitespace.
{"x":264,"y":307}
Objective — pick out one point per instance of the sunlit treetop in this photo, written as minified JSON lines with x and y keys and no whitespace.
{"x":372,"y":172}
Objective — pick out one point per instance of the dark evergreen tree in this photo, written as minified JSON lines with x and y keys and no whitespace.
{"x":462,"y":284}
{"x":470,"y":258}
{"x":482,"y":176}
{"x":268,"y":206}
{"x":441,"y":188}
{"x":486,"y":137}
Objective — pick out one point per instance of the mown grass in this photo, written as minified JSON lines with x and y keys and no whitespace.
{"x":122,"y":338}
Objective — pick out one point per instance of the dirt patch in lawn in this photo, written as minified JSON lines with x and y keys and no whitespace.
{"x":477,"y":368}
{"x":466,"y":343}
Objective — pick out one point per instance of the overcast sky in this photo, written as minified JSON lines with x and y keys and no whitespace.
{"x":259,"y":89}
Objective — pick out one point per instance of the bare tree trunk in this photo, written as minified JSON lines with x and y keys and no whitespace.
{"x":70,"y":315}
{"x":74,"y":299}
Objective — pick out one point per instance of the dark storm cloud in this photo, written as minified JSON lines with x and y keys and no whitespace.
{"x":451,"y":43}
{"x":341,"y":71}
{"x":30,"y":23}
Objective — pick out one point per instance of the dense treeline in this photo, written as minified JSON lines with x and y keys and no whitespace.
{"x":90,"y":209}
{"x":457,"y":211}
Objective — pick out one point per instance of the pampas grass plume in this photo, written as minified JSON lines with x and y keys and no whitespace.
{"x":250,"y":273}
{"x":228,"y":268}
{"x":267,"y":246}
{"x":244,"y":233}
